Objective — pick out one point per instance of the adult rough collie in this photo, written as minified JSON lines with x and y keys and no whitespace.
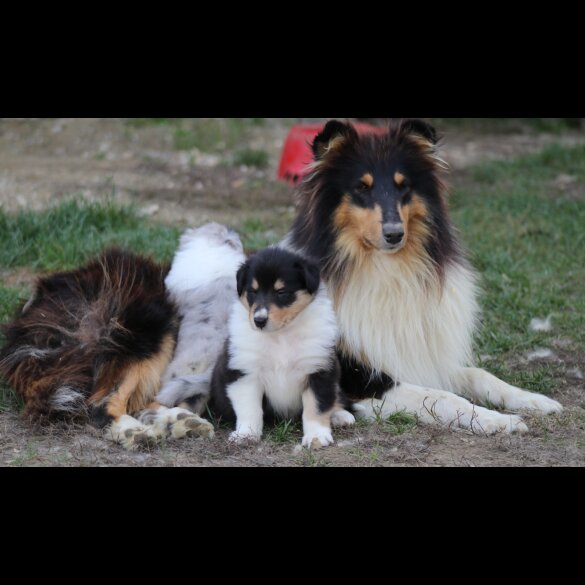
{"x":373,"y":214}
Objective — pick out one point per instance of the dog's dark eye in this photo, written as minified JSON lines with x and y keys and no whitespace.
{"x":252,"y":293}
{"x":281,"y":293}
{"x":363,"y":187}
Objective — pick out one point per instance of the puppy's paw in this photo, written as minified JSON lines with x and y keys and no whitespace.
{"x":318,"y":438}
{"x":342,"y":418}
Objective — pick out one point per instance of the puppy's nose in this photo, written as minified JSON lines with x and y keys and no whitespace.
{"x":260,"y":322}
{"x":393,"y":233}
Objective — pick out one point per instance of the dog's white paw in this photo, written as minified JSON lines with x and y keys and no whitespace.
{"x":536,"y":404}
{"x":318,"y":438}
{"x":488,"y":422}
{"x":176,"y":423}
{"x":188,"y":424}
{"x":342,"y":418}
{"x":131,"y":434}
{"x":244,"y":438}
{"x":360,"y":411}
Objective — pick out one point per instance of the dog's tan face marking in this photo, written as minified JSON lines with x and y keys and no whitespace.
{"x":358,"y":228}
{"x":255,"y":286}
{"x":399,"y":179}
{"x":413,"y":217}
{"x":368,"y":180}
{"x":279,"y":285}
{"x":280,"y":317}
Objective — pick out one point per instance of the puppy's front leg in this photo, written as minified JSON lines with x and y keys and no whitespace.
{"x":318,"y":406}
{"x":246,"y":398}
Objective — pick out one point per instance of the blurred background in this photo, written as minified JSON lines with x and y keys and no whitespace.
{"x":186,"y":171}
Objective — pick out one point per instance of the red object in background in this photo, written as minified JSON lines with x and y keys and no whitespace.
{"x":297,"y":153}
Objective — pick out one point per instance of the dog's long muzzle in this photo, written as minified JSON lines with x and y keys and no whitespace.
{"x":393,"y":234}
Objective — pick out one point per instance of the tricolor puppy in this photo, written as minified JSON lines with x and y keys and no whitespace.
{"x":279,"y":360}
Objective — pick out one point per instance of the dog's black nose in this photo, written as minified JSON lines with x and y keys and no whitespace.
{"x":393,"y":233}
{"x":260,"y":322}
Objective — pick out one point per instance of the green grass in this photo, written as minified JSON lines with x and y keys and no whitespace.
{"x":256,"y":235}
{"x":527,"y":238}
{"x":251,"y":158}
{"x":213,"y":135}
{"x":67,"y":235}
{"x":284,"y":432}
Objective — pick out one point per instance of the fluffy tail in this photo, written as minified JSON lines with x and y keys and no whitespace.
{"x":81,"y":330}
{"x":191,"y":391}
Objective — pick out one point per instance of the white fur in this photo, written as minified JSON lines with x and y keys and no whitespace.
{"x":393,"y":315}
{"x":277,"y":365}
{"x":442,"y":407}
{"x":316,"y":431}
{"x":67,"y":399}
{"x":176,"y":423}
{"x":405,"y":326}
{"x":279,"y":362}
{"x":315,"y":435}
{"x":202,"y":283}
{"x":485,"y":388}
{"x":342,"y":418}
{"x":130,"y":433}
{"x":205,"y":254}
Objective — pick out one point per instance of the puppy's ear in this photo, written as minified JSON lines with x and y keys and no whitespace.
{"x":242,"y":277}
{"x":333,"y":135}
{"x":310,"y":275}
{"x":420,"y":128}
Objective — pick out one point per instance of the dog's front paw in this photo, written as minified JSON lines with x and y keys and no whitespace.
{"x":342,"y":418}
{"x":131,"y":434}
{"x":318,"y":438}
{"x":489,"y":423}
{"x":536,"y":404}
{"x":191,"y":425}
{"x":244,"y":438}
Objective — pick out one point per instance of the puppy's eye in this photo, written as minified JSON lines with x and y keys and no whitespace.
{"x":281,"y":293}
{"x":363,"y":187}
{"x":252,"y":293}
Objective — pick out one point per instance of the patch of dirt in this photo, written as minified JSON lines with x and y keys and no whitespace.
{"x":552,"y":441}
{"x":18,"y":278}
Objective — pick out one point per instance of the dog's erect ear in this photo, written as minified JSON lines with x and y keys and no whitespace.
{"x":310,"y":275}
{"x":333,"y":135}
{"x":242,"y":277}
{"x":420,"y":128}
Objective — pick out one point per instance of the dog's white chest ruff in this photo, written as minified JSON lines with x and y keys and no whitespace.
{"x":281,"y":361}
{"x":401,"y":326}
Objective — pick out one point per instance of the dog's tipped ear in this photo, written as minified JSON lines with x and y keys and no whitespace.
{"x":242,"y":277}
{"x":422,"y":129}
{"x":311,"y":276}
{"x":333,"y":135}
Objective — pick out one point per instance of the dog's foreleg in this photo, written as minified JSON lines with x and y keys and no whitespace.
{"x":483,"y":387}
{"x":439,"y":407}
{"x":246,"y":397}
{"x":319,"y":404}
